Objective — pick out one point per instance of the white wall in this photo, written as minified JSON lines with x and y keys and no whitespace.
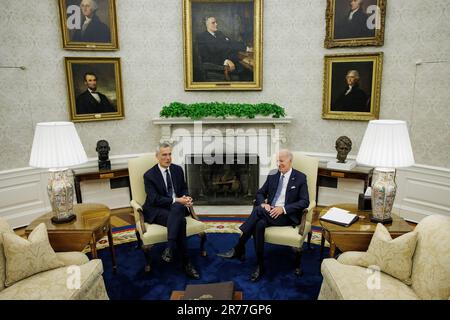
{"x":151,"y":50}
{"x":150,"y":37}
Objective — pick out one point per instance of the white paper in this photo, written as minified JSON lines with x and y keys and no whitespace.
{"x":368,"y":192}
{"x":339,"y":215}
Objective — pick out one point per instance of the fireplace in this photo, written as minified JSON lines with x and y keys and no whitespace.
{"x":224,"y":179}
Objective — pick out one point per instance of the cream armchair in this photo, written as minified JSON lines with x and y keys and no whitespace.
{"x":150,"y":234}
{"x":52,"y":284}
{"x":295,"y":237}
{"x":343,"y":279}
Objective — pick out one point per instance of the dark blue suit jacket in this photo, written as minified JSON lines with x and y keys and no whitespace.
{"x":297,"y":197}
{"x":155,"y":188}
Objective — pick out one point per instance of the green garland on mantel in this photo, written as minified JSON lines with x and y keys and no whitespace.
{"x":223,"y":110}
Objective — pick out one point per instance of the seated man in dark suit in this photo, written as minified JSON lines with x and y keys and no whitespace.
{"x":216,"y":48}
{"x":92,"y":29}
{"x":166,"y":204}
{"x":279,"y":202}
{"x":91,"y":101}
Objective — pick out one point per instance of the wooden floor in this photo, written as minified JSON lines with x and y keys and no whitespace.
{"x":124,"y":216}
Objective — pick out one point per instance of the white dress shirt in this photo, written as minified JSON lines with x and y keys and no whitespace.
{"x":163,"y":172}
{"x":281,"y":199}
{"x":95,"y":95}
{"x":350,"y":17}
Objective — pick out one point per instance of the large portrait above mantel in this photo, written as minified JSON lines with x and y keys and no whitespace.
{"x":352,"y":23}
{"x":222,"y":44}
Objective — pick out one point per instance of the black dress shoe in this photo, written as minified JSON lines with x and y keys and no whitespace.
{"x":167,"y":255}
{"x":233,"y":254}
{"x":257,"y":274}
{"x":190,"y":271}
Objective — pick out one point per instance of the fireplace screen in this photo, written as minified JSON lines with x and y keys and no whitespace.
{"x":223,"y":179}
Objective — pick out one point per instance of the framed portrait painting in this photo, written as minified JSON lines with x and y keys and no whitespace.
{"x":222,"y":44}
{"x":88,"y":24}
{"x":95,"y":88}
{"x":352,"y":23}
{"x":352,"y":86}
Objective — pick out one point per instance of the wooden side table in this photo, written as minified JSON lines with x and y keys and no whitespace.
{"x":357,"y":236}
{"x":90,"y":174}
{"x":92,"y":224}
{"x":360,"y":173}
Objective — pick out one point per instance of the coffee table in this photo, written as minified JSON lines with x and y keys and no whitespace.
{"x":179,"y":294}
{"x":357,"y":236}
{"x":92,"y":224}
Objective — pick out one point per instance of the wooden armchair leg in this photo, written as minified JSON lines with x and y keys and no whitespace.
{"x":309,"y":240}
{"x":202,"y":243}
{"x":298,"y":262}
{"x":139,"y":240}
{"x":148,"y":258}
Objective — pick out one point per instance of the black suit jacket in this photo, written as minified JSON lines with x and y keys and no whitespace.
{"x":86,"y":103}
{"x":356,"y":101}
{"x":297,"y":196}
{"x":96,"y":31}
{"x":155,"y":188}
{"x":219,"y":48}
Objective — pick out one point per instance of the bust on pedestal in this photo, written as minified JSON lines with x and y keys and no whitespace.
{"x":103,"y":155}
{"x":343,"y":147}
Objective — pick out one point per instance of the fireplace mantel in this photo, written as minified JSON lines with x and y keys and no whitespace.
{"x":167,"y":124}
{"x":234,"y":120}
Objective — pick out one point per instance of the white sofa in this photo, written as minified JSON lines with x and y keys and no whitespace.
{"x":52,"y":284}
{"x":343,"y":279}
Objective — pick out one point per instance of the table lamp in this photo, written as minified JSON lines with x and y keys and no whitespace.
{"x":385,"y":146}
{"x":56,"y":146}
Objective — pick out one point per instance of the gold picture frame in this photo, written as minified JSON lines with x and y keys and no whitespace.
{"x":99,"y":33}
{"x":352,"y":86}
{"x":229,"y":57}
{"x":349,"y":28}
{"x":94,"y":87}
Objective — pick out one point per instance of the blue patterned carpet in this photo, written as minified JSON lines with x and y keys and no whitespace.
{"x":279,"y":282}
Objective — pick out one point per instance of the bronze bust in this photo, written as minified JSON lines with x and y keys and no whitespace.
{"x":103,"y":155}
{"x":343,"y":147}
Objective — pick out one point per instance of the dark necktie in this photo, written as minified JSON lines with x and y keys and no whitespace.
{"x":169,"y":184}
{"x":278,"y":192}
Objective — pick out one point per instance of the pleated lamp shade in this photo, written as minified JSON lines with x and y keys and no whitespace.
{"x":386,"y":144}
{"x":56,"y":145}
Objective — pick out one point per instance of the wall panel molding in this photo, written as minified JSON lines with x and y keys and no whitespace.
{"x":422,"y":190}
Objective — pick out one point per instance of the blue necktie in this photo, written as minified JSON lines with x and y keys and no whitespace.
{"x":279,"y":188}
{"x":169,"y":184}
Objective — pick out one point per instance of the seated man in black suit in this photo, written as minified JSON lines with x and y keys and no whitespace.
{"x":166,"y":204}
{"x":216,"y":48}
{"x":91,"y":101}
{"x":353,"y":98}
{"x":92,"y":29}
{"x":279,"y":202}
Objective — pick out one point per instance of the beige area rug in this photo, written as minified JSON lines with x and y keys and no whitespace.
{"x":126,"y":233}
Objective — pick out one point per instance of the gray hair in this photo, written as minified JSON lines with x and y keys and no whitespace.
{"x":93,"y":4}
{"x":162,"y":145}
{"x":355,"y":72}
{"x":286,"y":151}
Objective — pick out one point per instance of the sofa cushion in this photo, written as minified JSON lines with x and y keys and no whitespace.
{"x":358,"y":283}
{"x":53,"y":284}
{"x":4,"y":227}
{"x":27,"y":257}
{"x":392,"y":256}
{"x":431,"y":261}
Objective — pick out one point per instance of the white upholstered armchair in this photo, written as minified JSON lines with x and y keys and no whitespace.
{"x":295,"y":237}
{"x":150,"y":234}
